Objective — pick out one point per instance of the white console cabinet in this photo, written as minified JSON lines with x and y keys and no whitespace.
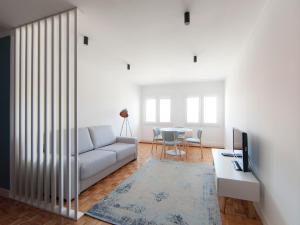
{"x":232,"y":183}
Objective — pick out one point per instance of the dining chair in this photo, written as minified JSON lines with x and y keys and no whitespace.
{"x":197,"y":140}
{"x":156,"y":138}
{"x":170,"y":138}
{"x":181,"y":134}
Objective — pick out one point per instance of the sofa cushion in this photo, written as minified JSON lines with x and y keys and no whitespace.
{"x":123,"y":150}
{"x":93,"y":162}
{"x":102,"y":136}
{"x":128,"y":140}
{"x":85,"y":143}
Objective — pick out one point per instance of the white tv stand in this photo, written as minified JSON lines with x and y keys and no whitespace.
{"x":231,"y":183}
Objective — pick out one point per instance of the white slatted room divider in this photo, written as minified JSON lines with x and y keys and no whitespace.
{"x":44,"y":148}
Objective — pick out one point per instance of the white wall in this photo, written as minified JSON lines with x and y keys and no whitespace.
{"x":213,"y":135}
{"x":103,"y":93}
{"x":262,"y":98}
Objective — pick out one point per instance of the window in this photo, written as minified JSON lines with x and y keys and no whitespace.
{"x":210,"y":109}
{"x":151,"y":110}
{"x":192,"y":110}
{"x":165,"y":110}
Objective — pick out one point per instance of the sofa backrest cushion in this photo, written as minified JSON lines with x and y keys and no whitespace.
{"x":85,"y":143}
{"x":102,"y":136}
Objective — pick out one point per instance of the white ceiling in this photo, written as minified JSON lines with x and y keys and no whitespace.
{"x":151,"y":35}
{"x":14,"y":13}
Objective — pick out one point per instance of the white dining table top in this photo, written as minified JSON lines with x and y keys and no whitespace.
{"x":178,"y":129}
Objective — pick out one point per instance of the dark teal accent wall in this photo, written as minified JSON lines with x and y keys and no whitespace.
{"x":4,"y":111}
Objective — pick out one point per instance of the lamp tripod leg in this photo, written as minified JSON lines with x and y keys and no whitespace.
{"x":126,"y":125}
{"x":122,"y":127}
{"x":129,"y":128}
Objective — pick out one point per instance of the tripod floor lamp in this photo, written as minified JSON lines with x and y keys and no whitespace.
{"x":124,"y":114}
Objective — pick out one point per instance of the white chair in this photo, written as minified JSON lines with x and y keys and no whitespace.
{"x":170,"y":138}
{"x":197,"y":140}
{"x":181,"y":134}
{"x":156,"y":138}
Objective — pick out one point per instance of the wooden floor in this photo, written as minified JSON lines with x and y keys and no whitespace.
{"x":13,"y":212}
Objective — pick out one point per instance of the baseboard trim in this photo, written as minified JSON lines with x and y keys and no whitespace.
{"x":263,"y":218}
{"x":4,"y":192}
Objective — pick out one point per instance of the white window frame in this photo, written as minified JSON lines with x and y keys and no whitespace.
{"x":158,"y":110}
{"x":217,"y":123}
{"x":199,"y":110}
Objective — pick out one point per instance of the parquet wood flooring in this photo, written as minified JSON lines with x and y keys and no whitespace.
{"x":15,"y":213}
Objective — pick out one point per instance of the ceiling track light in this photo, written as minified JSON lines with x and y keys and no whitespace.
{"x":187,"y":18}
{"x":86,"y":40}
{"x":128,"y":66}
{"x":195,"y":58}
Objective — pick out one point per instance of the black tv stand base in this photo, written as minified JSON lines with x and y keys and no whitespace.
{"x":239,"y":155}
{"x":236,"y":165}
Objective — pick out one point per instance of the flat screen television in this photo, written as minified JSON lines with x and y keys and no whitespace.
{"x":240,"y":150}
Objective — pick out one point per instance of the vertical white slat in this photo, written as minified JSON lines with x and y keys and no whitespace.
{"x":39,"y":122}
{"x":31,"y":179}
{"x":26,"y":114}
{"x":12,"y":112}
{"x":68,"y":116}
{"x":37,"y":178}
{"x":53,"y":127}
{"x":20,"y":170}
{"x":46,"y":132}
{"x":75,"y":116}
{"x":61,"y":155}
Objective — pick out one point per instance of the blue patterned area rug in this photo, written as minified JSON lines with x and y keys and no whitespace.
{"x":163,"y":193}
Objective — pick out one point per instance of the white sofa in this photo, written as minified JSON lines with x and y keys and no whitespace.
{"x":101,"y":153}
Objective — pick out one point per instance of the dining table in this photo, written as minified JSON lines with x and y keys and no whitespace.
{"x":182,"y":131}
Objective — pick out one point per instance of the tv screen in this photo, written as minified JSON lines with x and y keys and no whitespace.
{"x":240,"y":148}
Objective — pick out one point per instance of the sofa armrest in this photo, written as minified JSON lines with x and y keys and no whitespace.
{"x":127,"y":140}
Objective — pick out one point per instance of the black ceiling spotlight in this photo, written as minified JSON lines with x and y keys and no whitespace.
{"x":195,"y":59}
{"x":128,"y":66}
{"x":187,"y":18}
{"x":86,"y":40}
